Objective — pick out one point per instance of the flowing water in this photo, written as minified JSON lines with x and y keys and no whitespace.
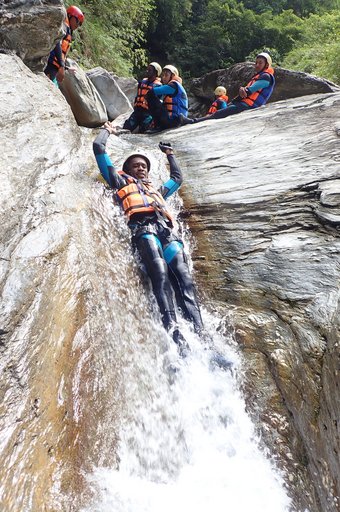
{"x":184,"y":440}
{"x":99,"y":413}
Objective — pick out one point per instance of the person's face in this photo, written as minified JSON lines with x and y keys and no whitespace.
{"x":165,"y":76}
{"x":74,"y":23}
{"x":151,"y":72}
{"x":260,"y":64}
{"x":138,"y":168}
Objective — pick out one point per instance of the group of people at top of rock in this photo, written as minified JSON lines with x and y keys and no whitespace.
{"x":161,"y":103}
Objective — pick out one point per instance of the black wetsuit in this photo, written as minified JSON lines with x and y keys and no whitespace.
{"x":160,"y":249}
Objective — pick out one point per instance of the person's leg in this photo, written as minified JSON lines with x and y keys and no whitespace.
{"x":176,"y":259}
{"x":159,"y":112}
{"x":151,"y":253}
{"x":219,"y":114}
{"x":131,"y":123}
{"x":51,"y":72}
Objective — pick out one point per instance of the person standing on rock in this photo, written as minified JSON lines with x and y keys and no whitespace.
{"x":152,"y":228}
{"x":221,"y":100}
{"x":55,"y":69}
{"x":141,"y":116}
{"x":255,"y":94}
{"x":166,"y":114}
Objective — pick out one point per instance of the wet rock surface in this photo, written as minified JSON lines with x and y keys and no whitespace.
{"x":262,"y":192}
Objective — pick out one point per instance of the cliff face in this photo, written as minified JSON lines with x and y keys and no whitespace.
{"x":263,"y":192}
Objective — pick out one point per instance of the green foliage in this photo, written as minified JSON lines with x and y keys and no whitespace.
{"x":318,"y":51}
{"x":113,"y":34}
{"x":202,"y":35}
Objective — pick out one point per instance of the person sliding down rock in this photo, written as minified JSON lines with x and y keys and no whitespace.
{"x":255,"y":94}
{"x":152,"y":230}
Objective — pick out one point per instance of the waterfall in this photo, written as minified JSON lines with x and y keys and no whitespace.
{"x":182,"y":438}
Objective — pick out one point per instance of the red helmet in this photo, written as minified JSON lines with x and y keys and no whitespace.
{"x":76,"y":12}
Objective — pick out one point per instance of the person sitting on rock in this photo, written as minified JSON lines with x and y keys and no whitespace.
{"x":221,"y":100}
{"x":55,"y":69}
{"x":255,"y":94}
{"x":140,"y":116}
{"x":152,"y":227}
{"x":166,"y":113}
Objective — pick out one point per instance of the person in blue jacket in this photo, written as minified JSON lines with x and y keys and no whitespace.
{"x":255,"y":94}
{"x":166,"y":113}
{"x":152,"y":228}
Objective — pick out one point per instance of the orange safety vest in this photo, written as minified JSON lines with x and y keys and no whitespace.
{"x":143,"y":88}
{"x":258,"y":98}
{"x":139,"y":197}
{"x":65,"y":44}
{"x":215,"y":105}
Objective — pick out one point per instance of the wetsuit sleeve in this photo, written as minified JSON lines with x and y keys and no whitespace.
{"x":58,"y":54}
{"x":165,"y":90}
{"x":176,"y":178}
{"x":105,"y":165}
{"x":222,"y":104}
{"x":259,"y":84}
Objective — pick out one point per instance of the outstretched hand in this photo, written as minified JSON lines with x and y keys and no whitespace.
{"x":166,"y":148}
{"x":110,"y":128}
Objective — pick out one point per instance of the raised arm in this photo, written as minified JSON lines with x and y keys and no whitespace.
{"x":176,"y":178}
{"x":104,"y":163}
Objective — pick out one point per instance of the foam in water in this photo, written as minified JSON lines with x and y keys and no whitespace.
{"x":187,"y":443}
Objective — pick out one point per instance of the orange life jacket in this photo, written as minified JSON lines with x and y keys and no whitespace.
{"x":216,"y":104}
{"x":139,"y":197}
{"x":258,"y":98}
{"x":143,"y":88}
{"x":65,"y":44}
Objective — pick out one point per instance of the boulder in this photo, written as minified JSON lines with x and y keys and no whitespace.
{"x":83,"y":98}
{"x":31,"y":29}
{"x":289,"y":84}
{"x":113,"y":97}
{"x":128,"y":86}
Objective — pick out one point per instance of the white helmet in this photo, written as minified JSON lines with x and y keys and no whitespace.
{"x":157,"y":67}
{"x":140,"y":154}
{"x":220,"y":91}
{"x":268,"y":58}
{"x":171,"y":68}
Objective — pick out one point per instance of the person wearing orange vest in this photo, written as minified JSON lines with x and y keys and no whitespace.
{"x":255,"y":94}
{"x":141,"y":116}
{"x":55,"y":69}
{"x":152,"y":228}
{"x":166,"y":111}
{"x":221,"y":100}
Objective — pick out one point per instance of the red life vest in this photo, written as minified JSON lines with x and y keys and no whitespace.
{"x":65,"y":44}
{"x":143,"y":88}
{"x":139,"y":197}
{"x":258,"y":98}
{"x":216,"y":105}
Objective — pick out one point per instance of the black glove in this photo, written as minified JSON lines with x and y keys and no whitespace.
{"x":164,"y":146}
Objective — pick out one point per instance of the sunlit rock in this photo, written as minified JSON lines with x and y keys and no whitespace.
{"x":84,"y":99}
{"x":114,"y":99}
